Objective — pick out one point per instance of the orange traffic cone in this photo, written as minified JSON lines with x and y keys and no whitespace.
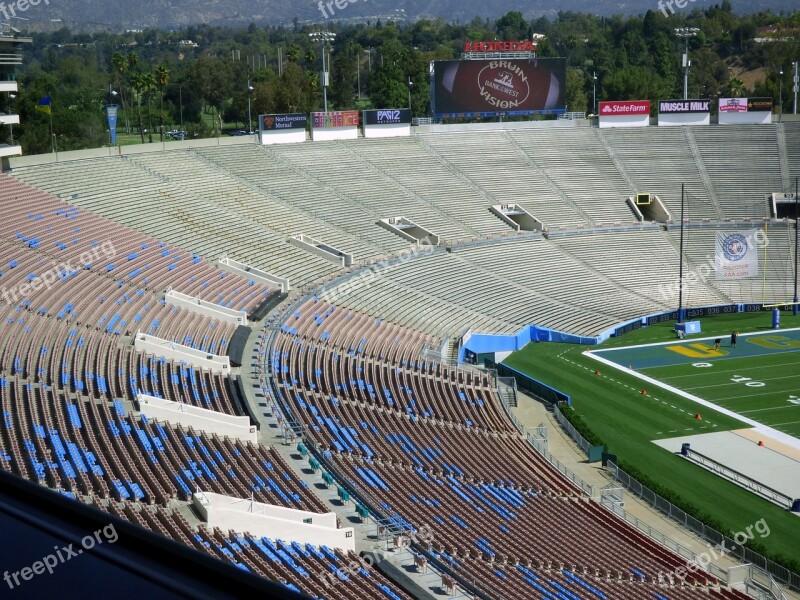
{"x":644,"y":392}
{"x":760,"y":443}
{"x":698,"y":416}
{"x":597,"y":372}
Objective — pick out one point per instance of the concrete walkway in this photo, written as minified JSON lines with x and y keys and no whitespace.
{"x":365,"y":532}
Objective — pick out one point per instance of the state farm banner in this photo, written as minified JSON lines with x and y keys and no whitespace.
{"x":735,"y":111}
{"x":684,"y":112}
{"x":736,"y":254}
{"x":624,"y":113}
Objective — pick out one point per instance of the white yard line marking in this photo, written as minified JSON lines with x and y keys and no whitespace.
{"x":693,"y":340}
{"x":760,"y":427}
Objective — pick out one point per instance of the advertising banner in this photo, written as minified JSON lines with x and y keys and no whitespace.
{"x":736,"y":255}
{"x":389,"y":116}
{"x":340,"y":118}
{"x":498,"y":87}
{"x":112,"y":112}
{"x":282,"y":121}
{"x":684,"y":112}
{"x":624,"y":113}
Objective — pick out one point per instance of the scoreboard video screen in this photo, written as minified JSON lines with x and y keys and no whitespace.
{"x":498,"y":87}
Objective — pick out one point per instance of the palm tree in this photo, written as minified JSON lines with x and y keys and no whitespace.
{"x":736,"y":87}
{"x":149,"y":85}
{"x":162,"y":79}
{"x":119,"y":64}
{"x":138,"y":84}
{"x":293,"y":53}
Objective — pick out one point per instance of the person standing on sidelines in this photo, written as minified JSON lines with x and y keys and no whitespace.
{"x":734,"y":335}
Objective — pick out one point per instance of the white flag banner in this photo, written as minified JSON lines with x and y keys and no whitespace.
{"x":736,"y":255}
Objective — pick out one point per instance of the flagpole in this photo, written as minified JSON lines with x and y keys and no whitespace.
{"x":53,"y":136}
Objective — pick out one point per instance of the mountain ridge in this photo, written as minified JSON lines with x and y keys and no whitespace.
{"x":117,"y":15}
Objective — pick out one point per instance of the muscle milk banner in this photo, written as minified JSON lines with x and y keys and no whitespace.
{"x":684,"y":112}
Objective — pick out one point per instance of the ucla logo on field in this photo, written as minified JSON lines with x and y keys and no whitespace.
{"x":734,"y":247}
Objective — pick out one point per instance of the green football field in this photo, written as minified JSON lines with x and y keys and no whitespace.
{"x":758,"y":379}
{"x":610,"y":402}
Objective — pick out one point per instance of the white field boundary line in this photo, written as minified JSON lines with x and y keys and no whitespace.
{"x":784,"y":438}
{"x":687,"y":340}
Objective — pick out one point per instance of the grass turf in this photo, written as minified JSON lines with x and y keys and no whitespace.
{"x":759,"y":378}
{"x":613,"y":407}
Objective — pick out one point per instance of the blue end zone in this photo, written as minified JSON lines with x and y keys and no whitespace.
{"x":666,"y":354}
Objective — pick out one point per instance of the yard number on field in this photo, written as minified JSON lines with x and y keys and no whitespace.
{"x":747,"y":381}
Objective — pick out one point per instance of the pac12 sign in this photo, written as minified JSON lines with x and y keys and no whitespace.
{"x":498,"y":87}
{"x":388,"y":116}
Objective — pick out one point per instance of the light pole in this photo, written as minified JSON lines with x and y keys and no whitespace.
{"x":323,"y":37}
{"x":369,"y":52}
{"x":796,"y":83}
{"x":780,"y":95}
{"x":11,"y":98}
{"x":180,"y":100}
{"x":594,"y":92}
{"x":250,"y":89}
{"x":686,"y":33}
{"x":410,"y":85}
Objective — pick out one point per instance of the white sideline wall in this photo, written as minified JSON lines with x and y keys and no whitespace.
{"x":239,"y":268}
{"x":203,"y":307}
{"x":274,"y":522}
{"x":210,"y":421}
{"x":197,"y":358}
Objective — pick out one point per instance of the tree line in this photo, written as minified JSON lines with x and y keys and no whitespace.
{"x":201,"y":78}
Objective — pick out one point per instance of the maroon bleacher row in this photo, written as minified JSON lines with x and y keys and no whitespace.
{"x":320,"y":583}
{"x":188,"y":275}
{"x":322,"y":346}
{"x":125,"y":458}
